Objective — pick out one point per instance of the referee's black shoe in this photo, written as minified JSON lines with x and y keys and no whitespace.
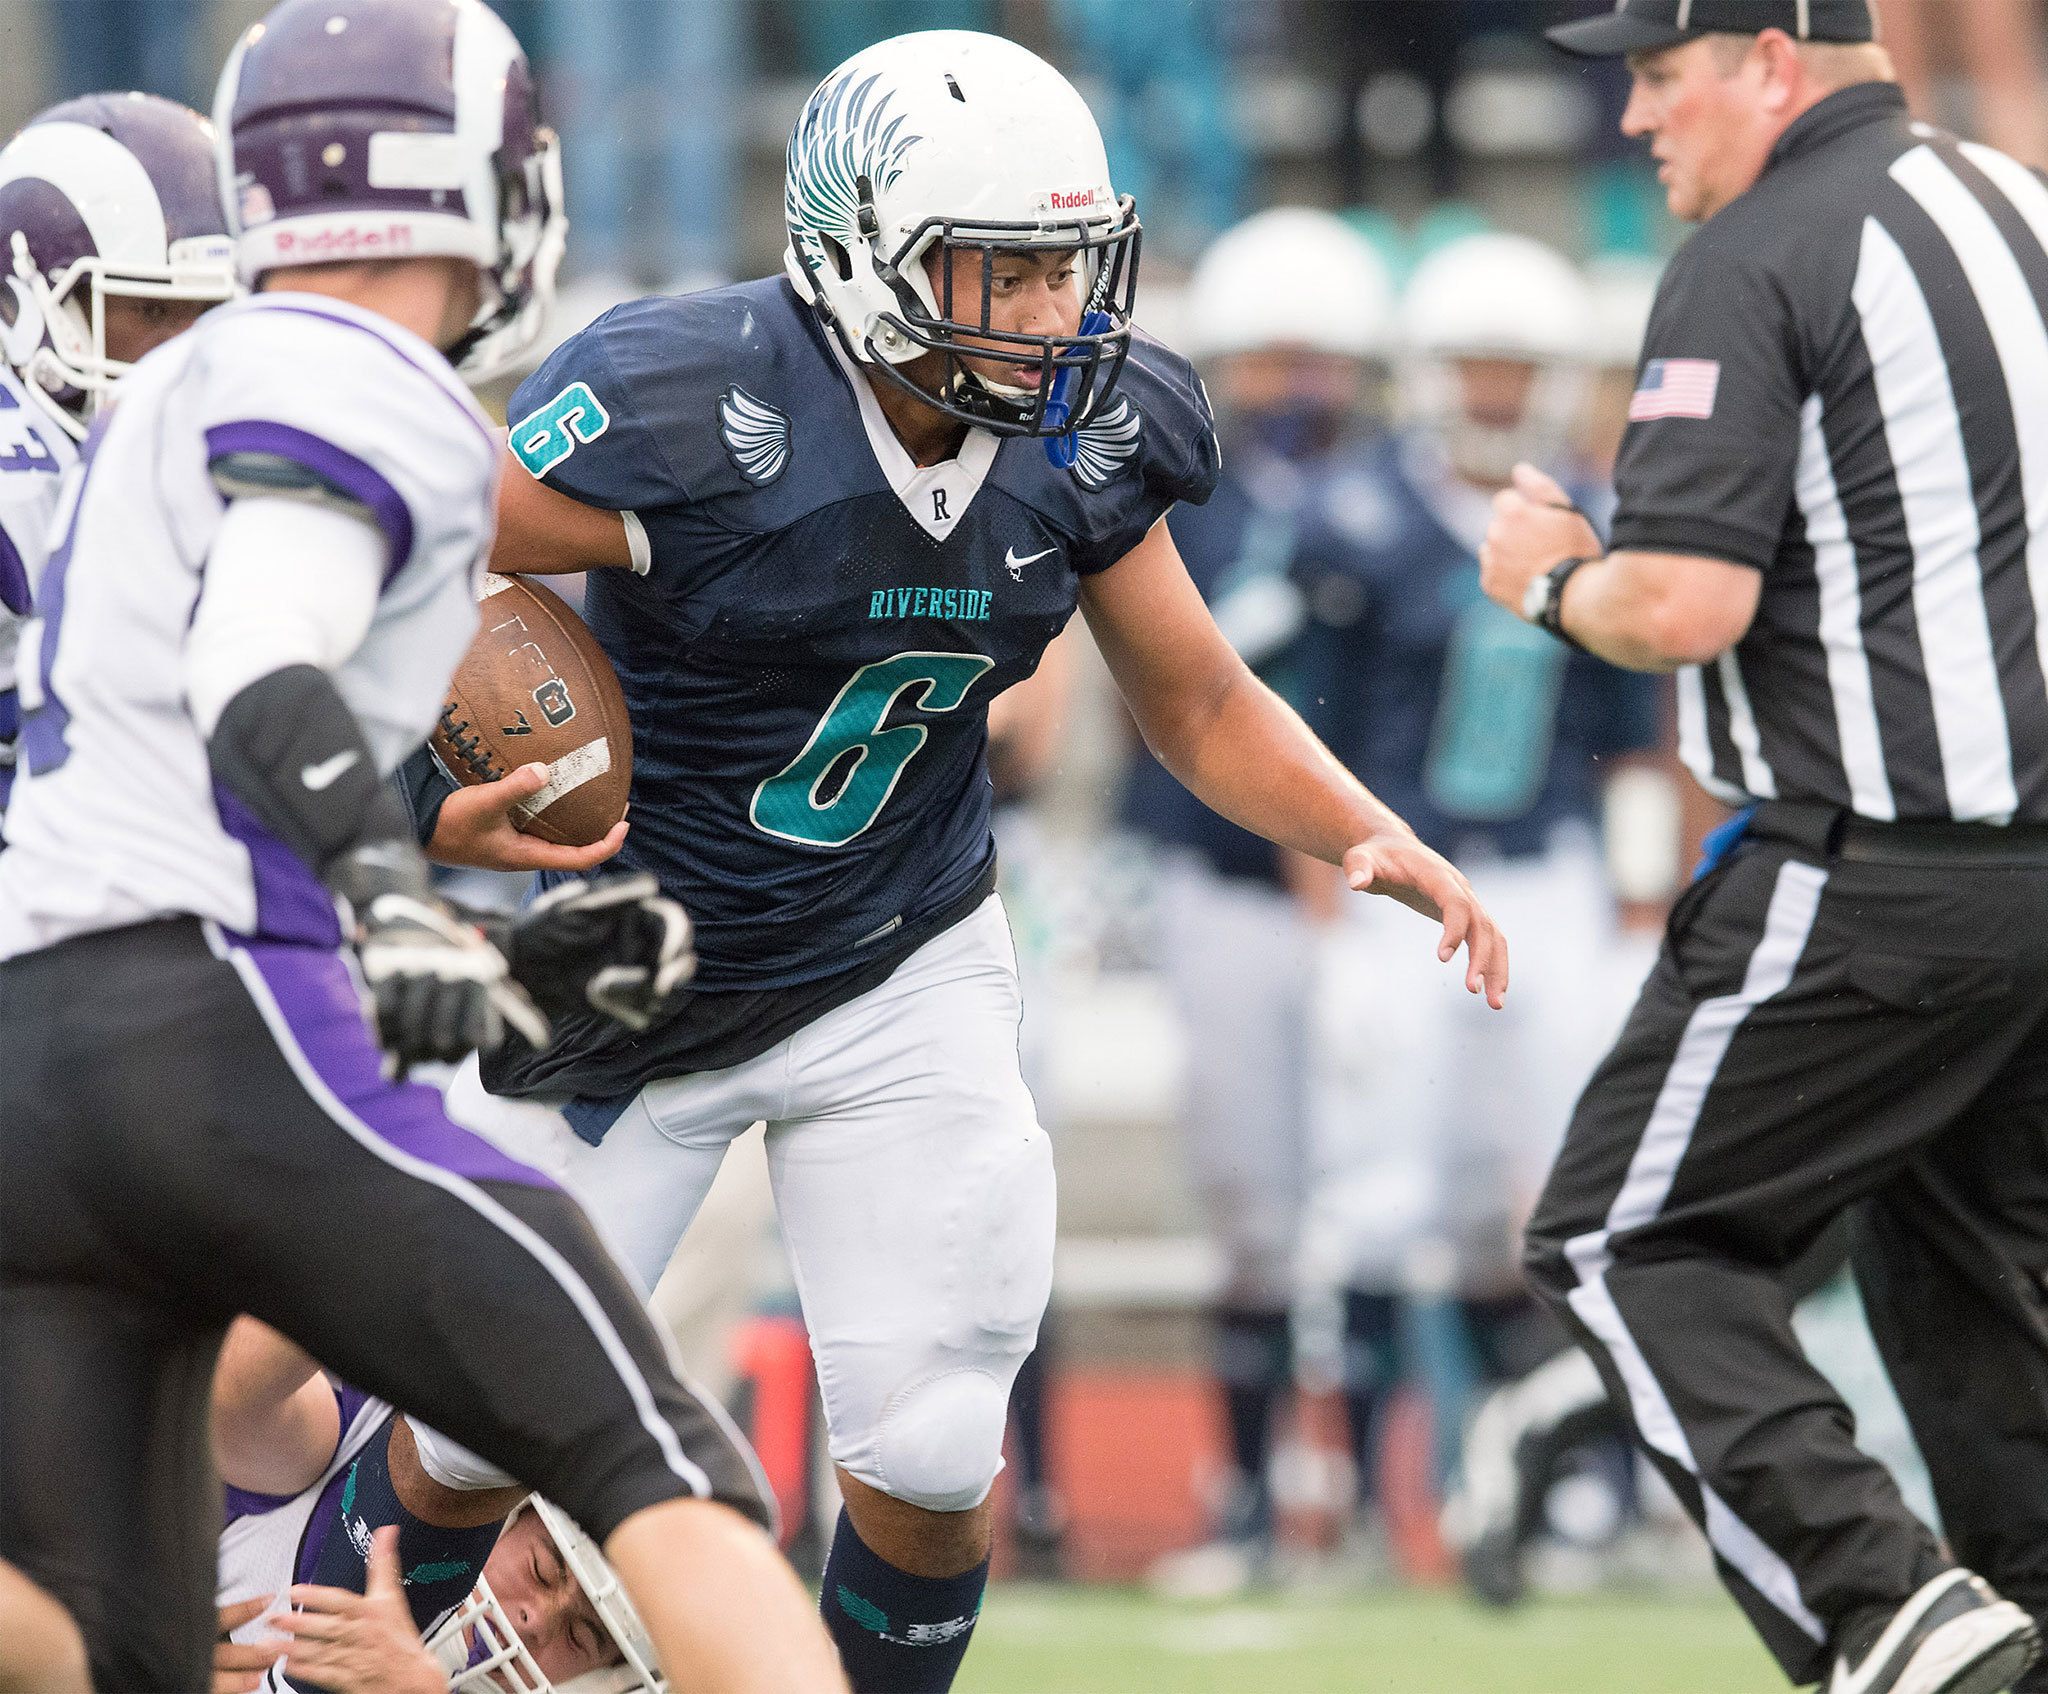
{"x":1955,"y":1636}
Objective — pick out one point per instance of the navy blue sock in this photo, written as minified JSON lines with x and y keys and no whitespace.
{"x":897,"y":1633}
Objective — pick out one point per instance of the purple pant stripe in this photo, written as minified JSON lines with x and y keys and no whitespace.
{"x":317,"y":998}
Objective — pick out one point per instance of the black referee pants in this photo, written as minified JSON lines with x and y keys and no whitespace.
{"x":1824,"y":1028}
{"x":191,"y":1129}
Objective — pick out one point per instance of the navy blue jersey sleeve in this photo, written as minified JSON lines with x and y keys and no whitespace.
{"x":1152,"y":447}
{"x":1628,"y":715}
{"x":591,"y":423}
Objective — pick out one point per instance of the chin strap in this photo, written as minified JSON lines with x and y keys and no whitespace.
{"x":1061,"y":445}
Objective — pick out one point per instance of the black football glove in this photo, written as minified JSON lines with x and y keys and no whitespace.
{"x":616,"y":945}
{"x":437,"y":988}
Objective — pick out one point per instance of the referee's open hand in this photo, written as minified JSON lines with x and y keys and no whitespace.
{"x":1535,"y":527}
{"x":1400,"y":867}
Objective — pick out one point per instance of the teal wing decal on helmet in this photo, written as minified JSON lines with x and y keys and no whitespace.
{"x":845,"y":133}
{"x":755,"y":434}
{"x":1104,"y":447}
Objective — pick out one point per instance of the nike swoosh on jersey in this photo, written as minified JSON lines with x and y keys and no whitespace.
{"x":1016,"y":564}
{"x":328,"y":772}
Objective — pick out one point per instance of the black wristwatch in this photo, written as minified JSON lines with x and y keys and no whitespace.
{"x":1543,"y":600}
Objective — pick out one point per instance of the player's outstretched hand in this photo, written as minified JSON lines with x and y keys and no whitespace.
{"x":615,"y":944}
{"x":1400,"y":867}
{"x":238,"y":1666}
{"x":361,"y":1643}
{"x":476,"y":827}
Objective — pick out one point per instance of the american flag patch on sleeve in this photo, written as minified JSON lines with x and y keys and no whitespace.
{"x":1675,"y":388}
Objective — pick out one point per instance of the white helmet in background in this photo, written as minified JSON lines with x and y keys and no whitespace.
{"x":477,"y":1645}
{"x":1291,"y":276}
{"x":1624,"y":289}
{"x":1499,"y":298}
{"x":951,"y":140}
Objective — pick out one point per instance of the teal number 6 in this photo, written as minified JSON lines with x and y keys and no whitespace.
{"x":787,"y":804}
{"x":543,"y":439}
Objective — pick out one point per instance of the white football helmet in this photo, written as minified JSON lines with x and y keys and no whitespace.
{"x":1496,"y":297}
{"x":106,"y":197}
{"x":1290,"y":276}
{"x":480,"y":1650}
{"x":951,"y":140}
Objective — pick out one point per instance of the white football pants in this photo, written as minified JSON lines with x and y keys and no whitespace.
{"x":915,"y":1191}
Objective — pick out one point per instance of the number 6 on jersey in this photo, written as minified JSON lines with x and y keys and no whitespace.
{"x":787,"y":804}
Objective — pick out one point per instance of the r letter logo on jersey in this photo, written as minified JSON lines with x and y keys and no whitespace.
{"x":755,"y":434}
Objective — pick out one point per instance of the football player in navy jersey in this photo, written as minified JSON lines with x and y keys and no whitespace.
{"x":843,"y":509}
{"x":1433,"y":1136}
{"x":1290,"y":315}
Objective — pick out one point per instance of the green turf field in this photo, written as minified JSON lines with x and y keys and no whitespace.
{"x":1107,"y":1641}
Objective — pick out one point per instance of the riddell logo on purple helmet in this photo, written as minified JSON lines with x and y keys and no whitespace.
{"x":354,"y":242}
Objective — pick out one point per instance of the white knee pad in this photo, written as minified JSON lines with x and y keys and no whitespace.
{"x":941,"y":1440}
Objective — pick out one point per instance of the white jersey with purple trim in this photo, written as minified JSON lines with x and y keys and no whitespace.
{"x":116,"y":819}
{"x":35,"y":452}
{"x":263,"y":1545}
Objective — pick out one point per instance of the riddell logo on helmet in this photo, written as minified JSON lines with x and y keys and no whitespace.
{"x":356,"y":242}
{"x":1070,"y":200}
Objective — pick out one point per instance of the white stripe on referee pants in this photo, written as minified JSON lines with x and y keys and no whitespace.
{"x":1924,"y":431}
{"x":564,"y":1274}
{"x":1841,"y":621}
{"x":1795,"y":900}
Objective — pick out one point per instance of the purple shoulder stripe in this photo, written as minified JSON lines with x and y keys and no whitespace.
{"x":446,"y":380}
{"x":248,"y":1503}
{"x":359,"y":480}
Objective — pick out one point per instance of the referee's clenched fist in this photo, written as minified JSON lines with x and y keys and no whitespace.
{"x":1833,"y":523}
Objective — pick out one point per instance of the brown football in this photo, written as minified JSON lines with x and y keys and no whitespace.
{"x":536,"y":685}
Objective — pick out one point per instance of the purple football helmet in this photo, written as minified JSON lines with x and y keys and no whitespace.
{"x":108,"y":196}
{"x":395,"y":129}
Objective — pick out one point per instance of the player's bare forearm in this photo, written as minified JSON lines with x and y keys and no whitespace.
{"x":1237,"y":745}
{"x":1245,"y":753}
{"x":545,"y":533}
{"x":1250,"y":758}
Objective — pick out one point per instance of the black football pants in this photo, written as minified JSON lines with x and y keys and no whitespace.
{"x":1831,"y":1020}
{"x":191,"y":1129}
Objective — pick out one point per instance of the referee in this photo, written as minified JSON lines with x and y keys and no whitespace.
{"x":1833,"y":524}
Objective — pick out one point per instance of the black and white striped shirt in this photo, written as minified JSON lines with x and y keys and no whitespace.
{"x":1846,"y":388}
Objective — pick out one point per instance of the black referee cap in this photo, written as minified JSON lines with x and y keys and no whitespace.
{"x":1646,"y":26}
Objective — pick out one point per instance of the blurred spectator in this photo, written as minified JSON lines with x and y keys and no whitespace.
{"x":1994,"y":47}
{"x":1434,"y":1119}
{"x":1289,"y":314}
{"x":1165,"y":110}
{"x":651,"y":97}
{"x":159,"y":46}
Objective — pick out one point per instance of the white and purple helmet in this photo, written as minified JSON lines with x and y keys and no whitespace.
{"x":395,"y":129}
{"x":104,"y":197}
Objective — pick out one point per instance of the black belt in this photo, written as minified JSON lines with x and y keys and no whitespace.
{"x":1830,"y":832}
